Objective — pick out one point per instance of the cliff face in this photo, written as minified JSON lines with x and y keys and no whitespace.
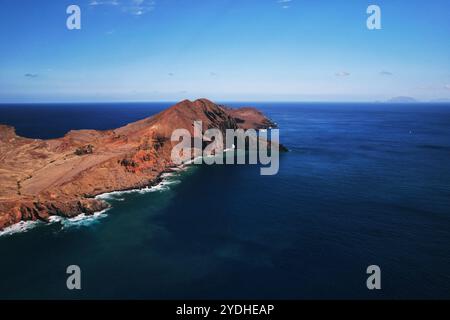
{"x":41,"y":178}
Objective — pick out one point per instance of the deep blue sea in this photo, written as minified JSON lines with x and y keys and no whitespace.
{"x":362,"y":184}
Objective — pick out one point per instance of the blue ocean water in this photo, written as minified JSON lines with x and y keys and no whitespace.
{"x":362,"y":184}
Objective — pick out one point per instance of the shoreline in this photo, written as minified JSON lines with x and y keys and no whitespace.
{"x":67,"y":176}
{"x":26,"y":225}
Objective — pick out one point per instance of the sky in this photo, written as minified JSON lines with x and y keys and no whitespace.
{"x":224,"y":50}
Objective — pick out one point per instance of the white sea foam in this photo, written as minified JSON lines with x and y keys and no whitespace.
{"x":167,"y":175}
{"x":83,"y":219}
{"x":79,"y":220}
{"x":188,"y":162}
{"x":178,"y":169}
{"x":22,"y":226}
{"x":161,"y":186}
{"x":53,"y":219}
{"x":116,"y":195}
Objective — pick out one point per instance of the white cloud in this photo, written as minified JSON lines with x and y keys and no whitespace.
{"x":342,"y":74}
{"x":284,"y":3}
{"x":386,"y":73}
{"x":104,"y":2}
{"x":139,"y":7}
{"x":447,"y":86}
{"x":134,"y":7}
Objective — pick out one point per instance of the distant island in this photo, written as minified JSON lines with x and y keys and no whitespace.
{"x":61,"y":177}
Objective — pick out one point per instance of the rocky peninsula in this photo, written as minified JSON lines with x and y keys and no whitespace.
{"x":61,"y":177}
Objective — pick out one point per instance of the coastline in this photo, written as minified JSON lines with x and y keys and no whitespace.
{"x":26,"y":225}
{"x":159,"y":181}
{"x":66,"y":176}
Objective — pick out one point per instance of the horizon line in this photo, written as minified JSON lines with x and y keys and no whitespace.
{"x":225,"y":101}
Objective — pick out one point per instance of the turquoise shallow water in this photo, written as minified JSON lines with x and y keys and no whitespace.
{"x":362,"y":184}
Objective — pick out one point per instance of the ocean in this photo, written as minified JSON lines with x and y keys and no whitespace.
{"x":362,"y":184}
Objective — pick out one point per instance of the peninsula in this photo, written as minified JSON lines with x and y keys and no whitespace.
{"x":61,"y":177}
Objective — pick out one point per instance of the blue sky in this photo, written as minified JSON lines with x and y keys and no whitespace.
{"x":226,"y":50}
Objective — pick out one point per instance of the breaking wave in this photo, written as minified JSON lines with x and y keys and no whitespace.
{"x":162,"y":186}
{"x":83,"y":219}
{"x":79,"y":220}
{"x":22,"y":226}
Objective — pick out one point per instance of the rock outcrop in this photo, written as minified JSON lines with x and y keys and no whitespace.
{"x":42,"y":178}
